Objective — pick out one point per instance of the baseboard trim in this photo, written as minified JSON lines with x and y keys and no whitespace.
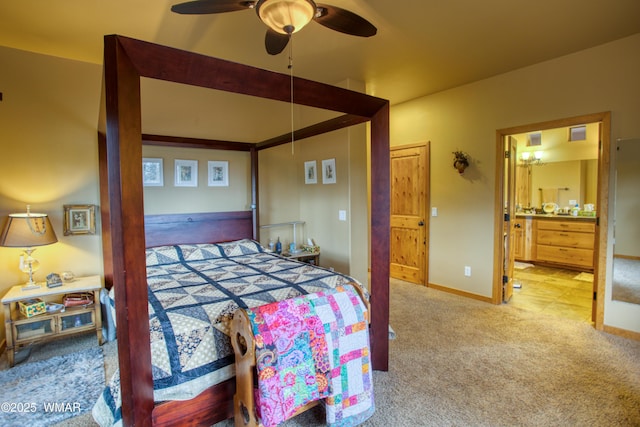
{"x":621,"y":332}
{"x":460,"y":293}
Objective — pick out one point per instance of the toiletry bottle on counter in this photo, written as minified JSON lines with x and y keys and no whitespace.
{"x":278,"y":246}
{"x":576,"y":210}
{"x":271,"y":245}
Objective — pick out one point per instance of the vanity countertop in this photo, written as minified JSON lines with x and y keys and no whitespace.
{"x":556,"y":217}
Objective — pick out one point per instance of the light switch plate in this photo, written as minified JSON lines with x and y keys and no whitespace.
{"x":342,"y":215}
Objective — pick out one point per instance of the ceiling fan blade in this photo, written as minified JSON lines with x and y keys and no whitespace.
{"x":203,"y":7}
{"x":275,"y":42}
{"x":344,"y":21}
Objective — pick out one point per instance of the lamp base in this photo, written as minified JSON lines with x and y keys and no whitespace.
{"x":30,"y":286}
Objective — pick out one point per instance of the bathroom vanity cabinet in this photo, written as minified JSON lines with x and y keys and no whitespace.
{"x":556,"y":240}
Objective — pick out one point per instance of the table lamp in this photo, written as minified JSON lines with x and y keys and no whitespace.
{"x":26,"y":230}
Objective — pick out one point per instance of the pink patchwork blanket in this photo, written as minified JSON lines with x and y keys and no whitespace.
{"x":314,"y":347}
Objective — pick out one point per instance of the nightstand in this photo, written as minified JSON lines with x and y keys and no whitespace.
{"x":22,"y":330}
{"x":312,"y":258}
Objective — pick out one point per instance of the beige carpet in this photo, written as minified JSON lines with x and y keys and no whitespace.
{"x":626,"y":280}
{"x":460,"y":362}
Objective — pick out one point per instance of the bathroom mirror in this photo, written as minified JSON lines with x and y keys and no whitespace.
{"x":626,"y":249}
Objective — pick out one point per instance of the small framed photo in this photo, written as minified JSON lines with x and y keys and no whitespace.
{"x":310,"y":172}
{"x":329,"y":171}
{"x":79,"y":219}
{"x":186,"y":173}
{"x":218,"y":173}
{"x":152,"y":172}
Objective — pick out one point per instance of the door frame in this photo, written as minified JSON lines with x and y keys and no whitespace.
{"x":509,"y":164}
{"x":602,"y":203}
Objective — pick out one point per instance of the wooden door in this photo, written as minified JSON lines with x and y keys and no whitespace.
{"x":509,"y":217}
{"x":409,"y":227}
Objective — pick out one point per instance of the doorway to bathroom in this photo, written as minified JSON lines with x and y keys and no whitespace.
{"x":549,"y":258}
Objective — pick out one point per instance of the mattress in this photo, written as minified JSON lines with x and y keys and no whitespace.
{"x":193,"y":292}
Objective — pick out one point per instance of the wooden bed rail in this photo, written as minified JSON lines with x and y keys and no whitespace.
{"x":245,"y":351}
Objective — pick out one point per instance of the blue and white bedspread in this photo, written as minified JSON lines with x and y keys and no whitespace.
{"x":193,"y":292}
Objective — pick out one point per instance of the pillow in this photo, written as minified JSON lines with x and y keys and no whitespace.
{"x":160,"y":255}
{"x":200,"y":252}
{"x":241,"y":247}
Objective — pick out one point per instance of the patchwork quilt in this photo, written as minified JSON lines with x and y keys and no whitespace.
{"x":313,"y":347}
{"x":193,"y":292}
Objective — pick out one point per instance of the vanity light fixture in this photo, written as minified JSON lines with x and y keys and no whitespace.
{"x":526,"y":158}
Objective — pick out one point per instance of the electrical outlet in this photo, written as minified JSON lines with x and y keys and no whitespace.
{"x":342,"y":215}
{"x":467,"y":271}
{"x":434,"y":211}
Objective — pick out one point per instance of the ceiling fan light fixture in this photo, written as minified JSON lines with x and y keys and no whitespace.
{"x":286,"y":16}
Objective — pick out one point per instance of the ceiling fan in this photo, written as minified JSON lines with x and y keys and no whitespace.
{"x":284,"y":17}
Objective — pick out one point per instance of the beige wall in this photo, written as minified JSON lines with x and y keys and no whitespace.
{"x":466,"y":118}
{"x":235,"y":197}
{"x":48,"y":122}
{"x":559,"y":175}
{"x":48,"y":155}
{"x":285,"y":197}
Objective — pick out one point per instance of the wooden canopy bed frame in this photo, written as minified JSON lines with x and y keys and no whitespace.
{"x":127,"y":231}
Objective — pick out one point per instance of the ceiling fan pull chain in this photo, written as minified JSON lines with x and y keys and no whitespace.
{"x":291,"y":104}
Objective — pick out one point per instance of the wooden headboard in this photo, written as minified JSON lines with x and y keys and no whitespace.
{"x":190,"y":228}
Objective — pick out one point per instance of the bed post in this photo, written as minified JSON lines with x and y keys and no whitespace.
{"x":125,"y":61}
{"x":255,"y":193}
{"x":380,"y":234}
{"x":123,"y":152}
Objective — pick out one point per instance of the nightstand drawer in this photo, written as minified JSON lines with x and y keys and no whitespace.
{"x":27,"y":330}
{"x":74,"y":320}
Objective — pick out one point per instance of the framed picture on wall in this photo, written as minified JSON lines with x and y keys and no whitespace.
{"x":218,"y":173}
{"x":329,"y":171}
{"x":310,"y":172}
{"x":79,"y":219}
{"x":152,"y":172}
{"x":186,"y":173}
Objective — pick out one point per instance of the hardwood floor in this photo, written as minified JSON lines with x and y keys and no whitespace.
{"x":554,"y":291}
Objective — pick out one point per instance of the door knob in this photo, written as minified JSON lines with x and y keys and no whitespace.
{"x":421,"y":223}
{"x":517,"y":226}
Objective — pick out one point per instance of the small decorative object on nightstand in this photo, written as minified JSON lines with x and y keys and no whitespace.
{"x":26,"y":322}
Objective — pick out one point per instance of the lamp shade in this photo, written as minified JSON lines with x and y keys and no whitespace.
{"x":26,"y":230}
{"x":286,"y":16}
